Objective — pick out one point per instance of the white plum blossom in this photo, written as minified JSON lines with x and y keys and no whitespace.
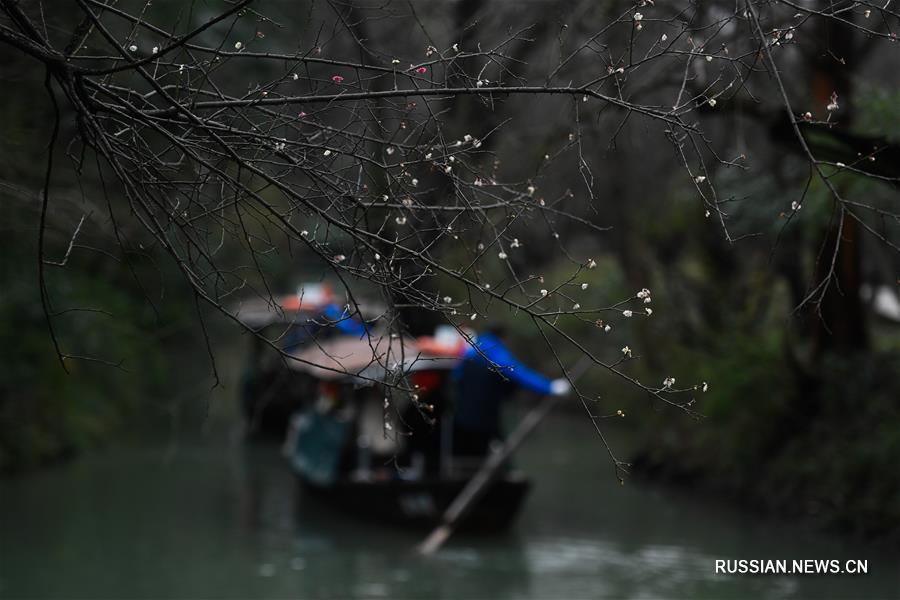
{"x":133,"y":48}
{"x":584,"y":286}
{"x":576,"y":306}
{"x":627,"y":313}
{"x":326,"y":153}
{"x":704,"y":387}
{"x":699,"y":179}
{"x":638,"y":16}
{"x":711,"y":101}
{"x":400,"y":220}
{"x":515,"y":243}
{"x":447,"y":299}
{"x":501,"y":255}
{"x":668,"y":382}
{"x":626,"y":351}
{"x":414,"y":182}
{"x":592,"y":264}
{"x":544,"y":292}
{"x":649,"y":311}
{"x":238,"y":45}
{"x":473,"y":317}
{"x":155,"y":50}
{"x":607,"y":328}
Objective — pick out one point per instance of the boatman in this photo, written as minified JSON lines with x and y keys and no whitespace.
{"x":487,"y":375}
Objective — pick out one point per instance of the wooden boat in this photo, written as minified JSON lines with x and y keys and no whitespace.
{"x":389,"y":461}
{"x":420,"y":503}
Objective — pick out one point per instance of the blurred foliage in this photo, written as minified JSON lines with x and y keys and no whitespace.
{"x":783,"y":431}
{"x":821,"y":445}
{"x":44,"y":411}
{"x":878,"y":113}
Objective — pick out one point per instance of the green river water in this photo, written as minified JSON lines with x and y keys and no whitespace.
{"x":214,"y":518}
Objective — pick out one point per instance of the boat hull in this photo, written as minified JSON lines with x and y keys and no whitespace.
{"x":420,"y":504}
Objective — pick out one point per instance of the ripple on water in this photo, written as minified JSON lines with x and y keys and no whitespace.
{"x":371,"y":589}
{"x":648,"y":570}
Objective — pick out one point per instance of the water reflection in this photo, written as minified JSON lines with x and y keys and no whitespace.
{"x":226,"y":520}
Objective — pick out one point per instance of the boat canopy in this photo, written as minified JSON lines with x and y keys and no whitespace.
{"x":375,"y":355}
{"x":308,"y":302}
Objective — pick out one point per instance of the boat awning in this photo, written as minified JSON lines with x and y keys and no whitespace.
{"x":374,"y":356}
{"x":291,"y":309}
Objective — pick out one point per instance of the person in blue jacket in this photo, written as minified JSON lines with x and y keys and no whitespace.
{"x":488,"y":374}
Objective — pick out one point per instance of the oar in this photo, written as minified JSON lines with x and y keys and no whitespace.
{"x":476,"y":487}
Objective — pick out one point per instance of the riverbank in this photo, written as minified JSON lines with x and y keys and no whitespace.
{"x":822,"y":449}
